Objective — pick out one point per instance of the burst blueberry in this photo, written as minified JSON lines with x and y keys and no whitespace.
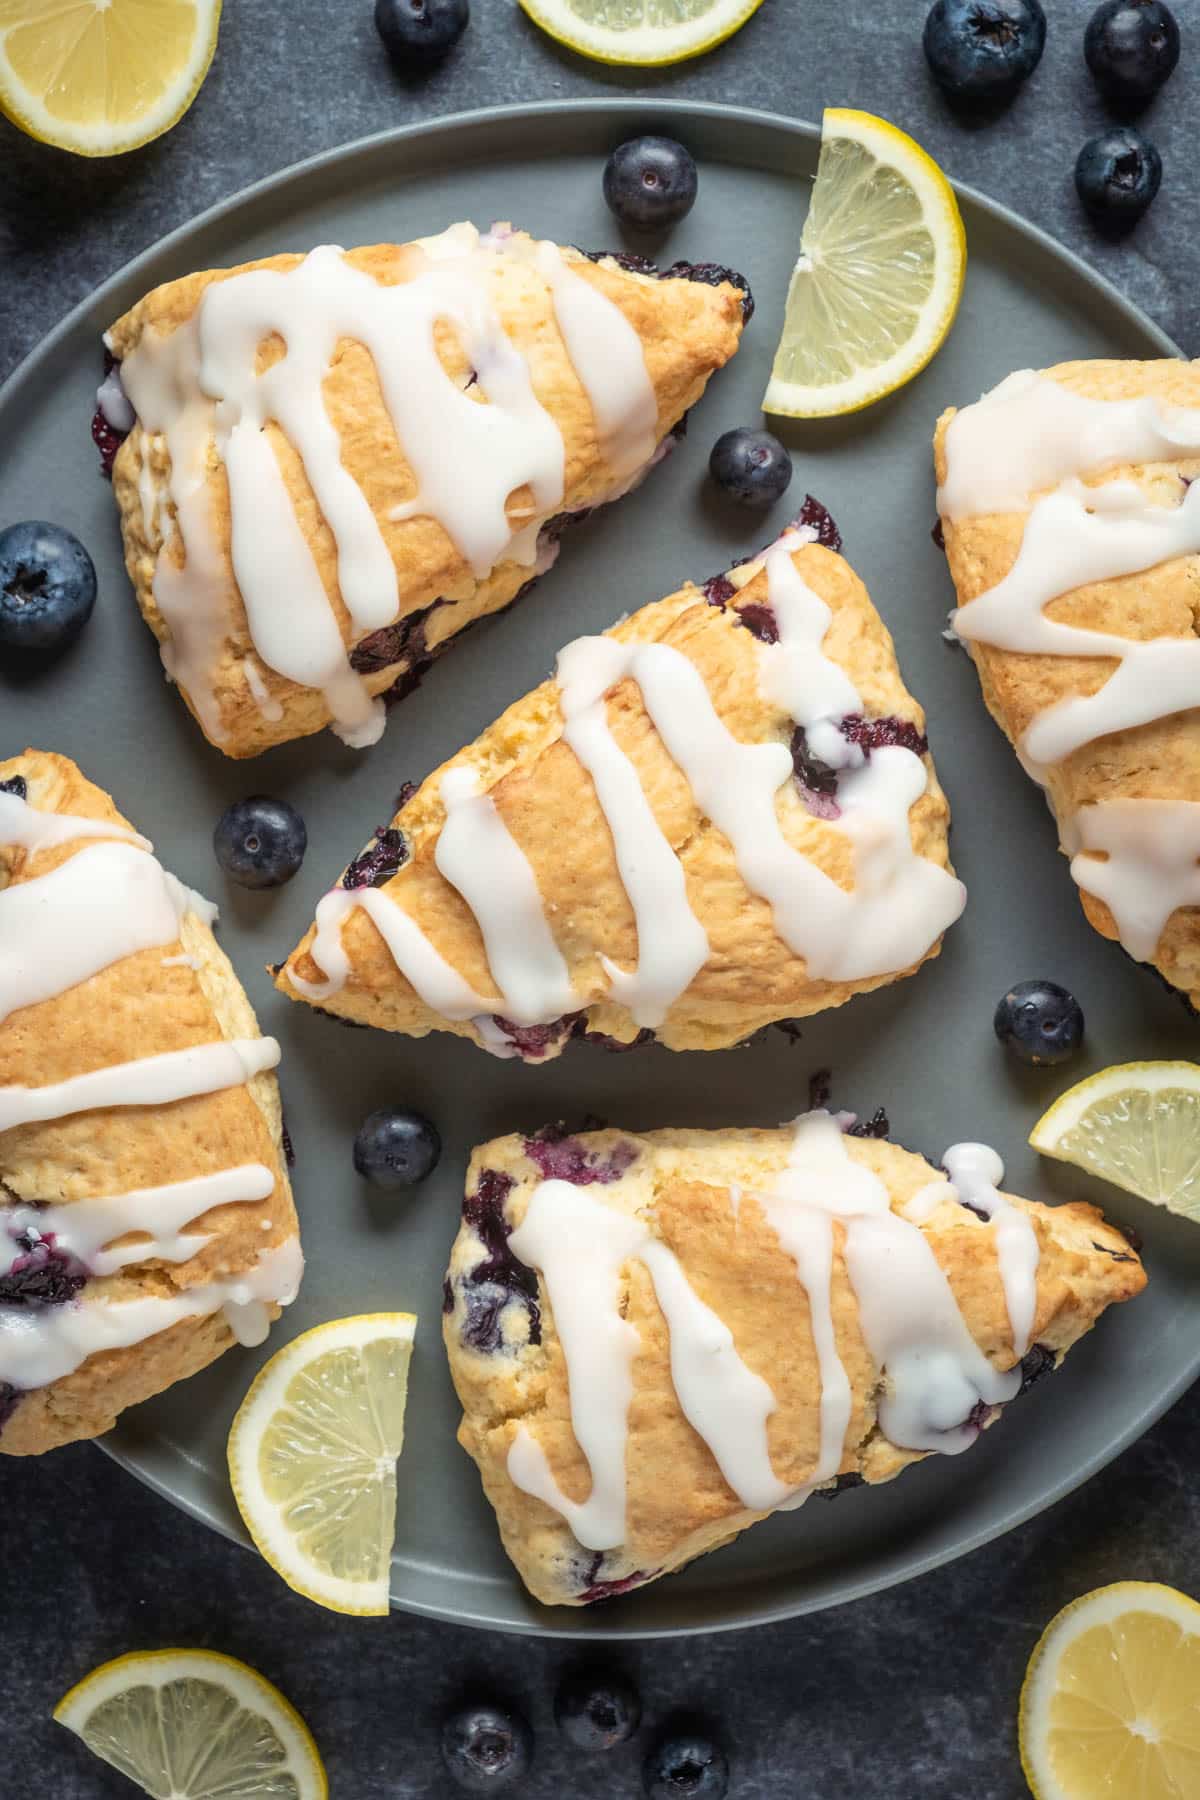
{"x":980,"y":51}
{"x":685,"y":1767}
{"x":752,"y":467}
{"x":486,"y":1748}
{"x":419,"y":33}
{"x":597,"y":1713}
{"x":1117,"y":175}
{"x":260,"y":842}
{"x":650,"y":183}
{"x":1039,"y":1022}
{"x":396,"y":1148}
{"x":1131,"y":48}
{"x":47,"y":588}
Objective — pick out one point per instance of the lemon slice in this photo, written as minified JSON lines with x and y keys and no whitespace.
{"x":312,"y":1457}
{"x":193,"y":1725}
{"x":1136,"y":1125}
{"x":882,"y":260}
{"x":1110,"y":1708}
{"x":643,"y":32}
{"x":101,"y":76}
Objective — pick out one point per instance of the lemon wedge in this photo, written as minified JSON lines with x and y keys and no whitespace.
{"x":1111,"y":1702}
{"x":312,"y":1458}
{"x":1136,"y":1125}
{"x":645,"y":33}
{"x":196,"y":1726}
{"x":882,"y":260}
{"x":102,"y":76}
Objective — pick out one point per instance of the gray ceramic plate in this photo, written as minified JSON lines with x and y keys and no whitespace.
{"x":924,"y":1049}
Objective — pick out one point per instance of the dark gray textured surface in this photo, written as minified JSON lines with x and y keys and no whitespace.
{"x":911,"y":1693}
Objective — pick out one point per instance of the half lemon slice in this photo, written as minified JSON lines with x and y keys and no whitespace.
{"x":1136,"y":1125}
{"x":312,"y":1458}
{"x":102,"y":76}
{"x":1110,"y":1708}
{"x":641,"y":32}
{"x":196,"y":1726}
{"x":882,"y":260}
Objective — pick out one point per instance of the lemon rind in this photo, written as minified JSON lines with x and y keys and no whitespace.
{"x":644,"y":47}
{"x":1133,"y":1077}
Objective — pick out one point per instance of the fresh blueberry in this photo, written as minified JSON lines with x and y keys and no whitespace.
{"x":260,"y":842}
{"x":485,"y":1748}
{"x":1040,"y":1023}
{"x":980,"y":51}
{"x":687,"y":1765}
{"x":1131,"y":47}
{"x":47,"y":588}
{"x":597,"y":1714}
{"x":395,"y":1148}
{"x":418,"y":33}
{"x":752,"y":467}
{"x":650,"y":183}
{"x":1117,"y":175}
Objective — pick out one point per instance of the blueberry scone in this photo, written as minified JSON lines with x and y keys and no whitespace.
{"x":333,"y":463}
{"x":1071,"y":516}
{"x":721,"y":813}
{"x":146,"y":1219}
{"x":658,"y":1340}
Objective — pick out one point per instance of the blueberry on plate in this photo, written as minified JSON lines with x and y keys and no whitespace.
{"x":418,"y":33}
{"x":980,"y":51}
{"x":650,"y":183}
{"x":1039,"y":1022}
{"x":1131,"y":47}
{"x":685,"y":1767}
{"x":260,"y":842}
{"x":597,"y":1712}
{"x":752,"y":467}
{"x":47,"y":588}
{"x":395,"y":1148}
{"x":1117,"y":176}
{"x":485,"y":1748}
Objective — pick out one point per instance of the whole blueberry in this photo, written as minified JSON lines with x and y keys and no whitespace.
{"x":685,"y":1766}
{"x":47,"y":588}
{"x":419,"y":33}
{"x":1039,"y":1022}
{"x":650,"y":183}
{"x":260,"y":842}
{"x":1131,"y":47}
{"x":597,"y":1712}
{"x":1117,"y":175}
{"x":752,"y":467}
{"x":485,"y":1748}
{"x":980,"y":51}
{"x":395,"y":1148}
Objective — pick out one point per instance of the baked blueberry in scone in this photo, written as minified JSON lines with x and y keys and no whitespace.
{"x":1071,"y":517}
{"x":146,"y":1219}
{"x":671,"y":1335}
{"x":720,"y":813}
{"x":335,"y":462}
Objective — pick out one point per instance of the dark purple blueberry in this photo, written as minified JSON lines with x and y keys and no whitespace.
{"x":395,"y":1148}
{"x":625,"y":259}
{"x":595,"y":1587}
{"x":47,"y":588}
{"x":16,"y":784}
{"x":1039,"y":1022}
{"x":597,"y":1712}
{"x":718,"y":590}
{"x":419,"y":33}
{"x":760,"y":621}
{"x":1117,"y":176}
{"x":605,"y":1041}
{"x":560,"y":1157}
{"x":499,"y":1278}
{"x":980,"y":51}
{"x":883,"y":734}
{"x":685,"y":1767}
{"x":650,"y":183}
{"x":1131,"y":47}
{"x":815,"y":517}
{"x":107,"y":438}
{"x":387,"y":852}
{"x":843,"y":1484}
{"x":9,"y":1399}
{"x":403,"y":641}
{"x":752,"y":467}
{"x":938,"y":534}
{"x":486,"y":1748}
{"x":713,"y":275}
{"x":877,"y":1126}
{"x":1036,"y":1362}
{"x":42,"y":1275}
{"x":447,"y":1295}
{"x":534,"y":1043}
{"x":978,"y":1416}
{"x":285,"y":1138}
{"x":407,"y":790}
{"x":815,"y":777}
{"x":260,"y":842}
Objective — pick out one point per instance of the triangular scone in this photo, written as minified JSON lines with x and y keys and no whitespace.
{"x":1071,"y":515}
{"x":652,"y":845}
{"x":657,"y":1340}
{"x":146,"y":1219}
{"x":338,"y":461}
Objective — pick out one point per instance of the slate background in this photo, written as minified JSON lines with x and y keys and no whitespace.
{"x":910,"y":1693}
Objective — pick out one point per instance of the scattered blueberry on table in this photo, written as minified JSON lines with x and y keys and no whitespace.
{"x":486,"y":1749}
{"x":1131,"y":48}
{"x":597,"y":1712}
{"x":47,"y":588}
{"x":260,"y":842}
{"x":1039,"y":1022}
{"x":980,"y":51}
{"x":650,"y":183}
{"x":1117,"y":175}
{"x":752,"y":467}
{"x":686,"y":1767}
{"x":419,"y":33}
{"x":395,"y":1148}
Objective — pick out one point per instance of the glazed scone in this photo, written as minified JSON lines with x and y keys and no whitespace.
{"x":1072,"y":525}
{"x":146,"y":1218}
{"x":721,"y":813}
{"x":336,"y":462}
{"x":657,"y":1340}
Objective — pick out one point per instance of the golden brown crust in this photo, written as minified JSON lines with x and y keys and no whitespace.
{"x":678,"y":1503}
{"x":1160,"y":760}
{"x":548,"y":802}
{"x":687,"y":330}
{"x":135,"y":1008}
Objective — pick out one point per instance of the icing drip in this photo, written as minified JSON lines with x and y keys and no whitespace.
{"x":975,"y":1173}
{"x":607,"y":355}
{"x":1142,"y":858}
{"x":269,"y":708}
{"x":441,"y":988}
{"x":33,"y":830}
{"x":147,"y":1081}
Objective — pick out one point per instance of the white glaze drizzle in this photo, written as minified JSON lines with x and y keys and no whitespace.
{"x":975,"y":1173}
{"x":29,"y":828}
{"x":1142,"y":858}
{"x":270,"y":708}
{"x":146,"y":1081}
{"x":441,"y":987}
{"x":608,"y":358}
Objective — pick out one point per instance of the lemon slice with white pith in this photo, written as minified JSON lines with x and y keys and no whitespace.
{"x":1136,"y":1125}
{"x":643,"y":33}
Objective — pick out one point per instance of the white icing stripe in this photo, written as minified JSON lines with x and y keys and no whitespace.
{"x":796,"y":674}
{"x":975,"y":1173}
{"x":1142,"y":858}
{"x":269,"y":708}
{"x":33,"y":830}
{"x":441,"y":988}
{"x":608,"y":358}
{"x":148,"y":1081}
{"x":806,"y":1233}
